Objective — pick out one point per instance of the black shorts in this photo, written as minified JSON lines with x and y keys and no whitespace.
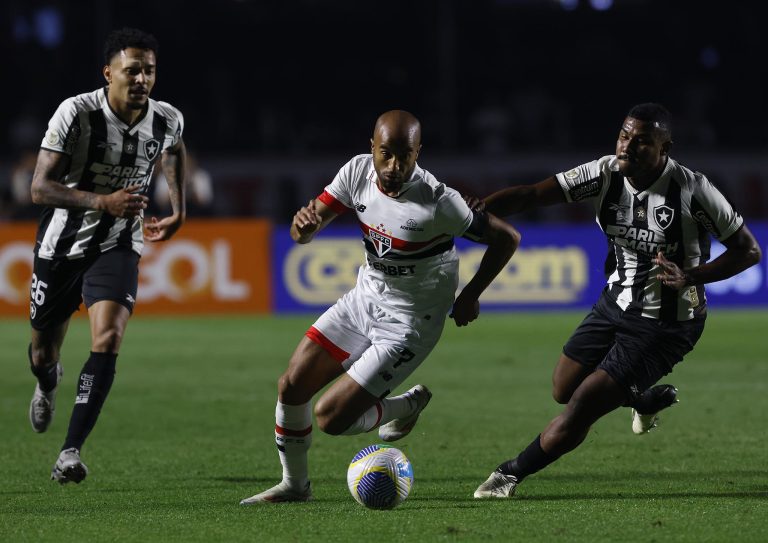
{"x":60,"y":285}
{"x":635,"y":351}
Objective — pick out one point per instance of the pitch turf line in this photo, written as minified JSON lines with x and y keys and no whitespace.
{"x":187,"y":432}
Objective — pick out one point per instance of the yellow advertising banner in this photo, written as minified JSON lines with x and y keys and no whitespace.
{"x":210,"y":266}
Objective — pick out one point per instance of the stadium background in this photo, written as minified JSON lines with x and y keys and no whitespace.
{"x":278,"y":95}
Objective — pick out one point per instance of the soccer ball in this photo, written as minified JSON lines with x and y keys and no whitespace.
{"x":380,"y":477}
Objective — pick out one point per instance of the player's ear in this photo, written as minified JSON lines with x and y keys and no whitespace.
{"x":666,"y":147}
{"x":371,"y":145}
{"x":107,"y":71}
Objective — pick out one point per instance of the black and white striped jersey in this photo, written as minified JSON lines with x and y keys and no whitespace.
{"x":676,"y":215}
{"x":106,"y":155}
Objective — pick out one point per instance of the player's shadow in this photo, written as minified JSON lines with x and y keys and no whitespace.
{"x":745,"y":494}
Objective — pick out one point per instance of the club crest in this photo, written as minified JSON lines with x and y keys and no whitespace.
{"x":151,"y":148}
{"x":663,"y":215}
{"x":381,"y":242}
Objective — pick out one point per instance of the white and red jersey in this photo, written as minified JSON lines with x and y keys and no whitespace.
{"x":106,"y":155}
{"x":676,"y":215}
{"x":411,"y":263}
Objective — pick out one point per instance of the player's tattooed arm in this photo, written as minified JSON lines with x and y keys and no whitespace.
{"x":48,"y":190}
{"x":173,"y":162}
{"x":309,"y":220}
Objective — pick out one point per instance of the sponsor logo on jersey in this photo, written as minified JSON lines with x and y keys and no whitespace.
{"x":585,"y":190}
{"x":663,"y":215}
{"x":381,"y":242}
{"x":392,"y":269}
{"x":151,"y":148}
{"x":117,"y":176}
{"x":641,"y":240}
{"x":705,"y":221}
{"x":411,"y":225}
{"x":105,"y":145}
{"x":621,"y":212}
{"x":360,"y":207}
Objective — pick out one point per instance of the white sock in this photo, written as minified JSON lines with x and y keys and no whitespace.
{"x":388,"y":409}
{"x":293,"y":436}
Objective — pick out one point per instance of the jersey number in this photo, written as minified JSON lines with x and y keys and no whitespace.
{"x":37,"y":292}
{"x":405,"y":356}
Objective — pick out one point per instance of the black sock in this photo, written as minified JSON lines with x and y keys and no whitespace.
{"x":531,"y":460}
{"x":46,"y":375}
{"x":92,"y":389}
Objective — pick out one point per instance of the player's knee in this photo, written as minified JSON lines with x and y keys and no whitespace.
{"x":43,"y":355}
{"x":330,"y":426}
{"x":284,"y":385}
{"x":290,"y":389}
{"x":561,"y":395}
{"x":327,"y":419}
{"x":108,"y":340}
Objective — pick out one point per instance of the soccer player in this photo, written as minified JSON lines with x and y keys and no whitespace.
{"x":377,"y":334}
{"x":92,"y":174}
{"x":659,"y":216}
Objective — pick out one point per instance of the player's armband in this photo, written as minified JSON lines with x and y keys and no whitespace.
{"x":479,"y":225}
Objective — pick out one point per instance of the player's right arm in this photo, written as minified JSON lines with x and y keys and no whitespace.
{"x":47,"y":190}
{"x":310,"y":219}
{"x":523,"y":197}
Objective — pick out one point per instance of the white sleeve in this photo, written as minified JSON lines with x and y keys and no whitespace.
{"x":341,"y":186}
{"x":63,"y":129}
{"x":712,"y":210}
{"x":583,"y":182}
{"x":452,"y":215}
{"x":175,"y":126}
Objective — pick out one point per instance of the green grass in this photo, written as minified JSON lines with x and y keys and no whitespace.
{"x":188,"y":431}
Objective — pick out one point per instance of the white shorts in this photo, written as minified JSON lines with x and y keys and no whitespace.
{"x":377,"y":350}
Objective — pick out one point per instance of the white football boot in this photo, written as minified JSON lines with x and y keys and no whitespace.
{"x":498,"y":485}
{"x":280,"y":493}
{"x":661,"y":397}
{"x":43,"y":404}
{"x":399,"y":428}
{"x":68,"y":467}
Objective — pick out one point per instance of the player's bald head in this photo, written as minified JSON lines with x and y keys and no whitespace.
{"x":398,"y":126}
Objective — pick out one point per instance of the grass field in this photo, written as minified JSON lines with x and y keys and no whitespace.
{"x":188,"y":431}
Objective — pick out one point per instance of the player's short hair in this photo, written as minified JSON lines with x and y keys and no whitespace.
{"x":653,"y":113}
{"x":128,"y":37}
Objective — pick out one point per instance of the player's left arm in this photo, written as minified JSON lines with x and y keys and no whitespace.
{"x":741,"y":252}
{"x":310,"y":219}
{"x":173,"y":162}
{"x":502,"y":240}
